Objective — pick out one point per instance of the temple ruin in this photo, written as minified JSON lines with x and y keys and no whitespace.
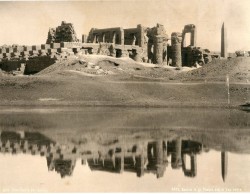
{"x":63,"y":33}
{"x":142,"y":44}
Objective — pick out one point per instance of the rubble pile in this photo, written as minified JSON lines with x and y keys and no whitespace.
{"x":63,"y":33}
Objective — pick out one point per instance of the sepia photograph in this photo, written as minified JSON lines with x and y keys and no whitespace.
{"x":125,"y":96}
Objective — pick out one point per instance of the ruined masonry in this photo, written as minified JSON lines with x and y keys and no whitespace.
{"x":143,"y":44}
{"x":63,"y":33}
{"x":176,"y":41}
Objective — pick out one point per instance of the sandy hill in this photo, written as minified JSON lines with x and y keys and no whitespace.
{"x":91,"y":65}
{"x":238,"y":69}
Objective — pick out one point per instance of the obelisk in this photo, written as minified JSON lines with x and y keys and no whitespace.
{"x":224,"y":53}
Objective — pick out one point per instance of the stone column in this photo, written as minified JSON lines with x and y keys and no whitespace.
{"x":121,"y":36}
{"x":193,"y":37}
{"x":114,"y":38}
{"x":141,"y":35}
{"x":121,"y":165}
{"x":22,"y":134}
{"x":159,"y":159}
{"x":94,"y":40}
{"x":176,"y":160}
{"x":84,"y":38}
{"x":84,"y":162}
{"x":193,"y":165}
{"x":165,"y":151}
{"x":158,"y":50}
{"x":176,"y":39}
{"x":104,"y":37}
{"x":140,"y":165}
{"x":190,"y":61}
{"x":183,"y":43}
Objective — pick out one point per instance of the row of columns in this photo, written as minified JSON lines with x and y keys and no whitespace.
{"x":160,"y":49}
{"x":117,"y":37}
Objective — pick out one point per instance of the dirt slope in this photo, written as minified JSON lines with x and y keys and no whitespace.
{"x":238,"y":69}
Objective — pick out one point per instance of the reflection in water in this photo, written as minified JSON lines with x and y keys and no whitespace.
{"x":224,"y":160}
{"x":137,"y":157}
{"x":86,"y":149}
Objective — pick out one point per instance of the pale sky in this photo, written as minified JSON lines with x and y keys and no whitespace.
{"x":27,"y":23}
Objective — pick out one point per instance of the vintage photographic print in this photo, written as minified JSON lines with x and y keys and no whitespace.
{"x":125,"y":96}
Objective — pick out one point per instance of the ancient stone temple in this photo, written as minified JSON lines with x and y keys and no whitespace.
{"x":142,"y":44}
{"x":63,"y":33}
{"x":176,"y":40}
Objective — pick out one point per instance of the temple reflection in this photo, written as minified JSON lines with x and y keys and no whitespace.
{"x":152,"y":156}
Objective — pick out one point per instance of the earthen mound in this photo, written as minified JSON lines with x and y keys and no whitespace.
{"x":238,"y":69}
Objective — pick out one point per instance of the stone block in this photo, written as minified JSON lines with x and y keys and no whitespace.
{"x":61,"y":50}
{"x":70,"y":53}
{"x":7,"y":54}
{"x":3,"y":50}
{"x":71,"y":44}
{"x":36,"y":47}
{"x":25,"y":53}
{"x":35,"y":53}
{"x":76,"y":50}
{"x":52,"y":51}
{"x":27,"y":48}
{"x":17,"y":54}
{"x":84,"y":38}
{"x":18,"y":49}
{"x":42,"y":52}
{"x":45,"y":46}
{"x":9,"y":50}
{"x":55,"y":45}
{"x":12,"y":54}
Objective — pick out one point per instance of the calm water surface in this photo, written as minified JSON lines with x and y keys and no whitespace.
{"x":111,"y":149}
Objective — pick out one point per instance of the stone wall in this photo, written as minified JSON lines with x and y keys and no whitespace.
{"x":36,"y":64}
{"x":10,"y":65}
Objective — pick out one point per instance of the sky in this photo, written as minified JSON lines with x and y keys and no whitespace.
{"x":27,"y":23}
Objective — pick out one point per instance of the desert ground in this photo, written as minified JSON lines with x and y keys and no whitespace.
{"x":96,"y":80}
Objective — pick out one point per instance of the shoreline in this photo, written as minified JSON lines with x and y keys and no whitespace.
{"x":112,"y":105}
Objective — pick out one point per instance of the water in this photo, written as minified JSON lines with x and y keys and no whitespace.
{"x":114,"y":150}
